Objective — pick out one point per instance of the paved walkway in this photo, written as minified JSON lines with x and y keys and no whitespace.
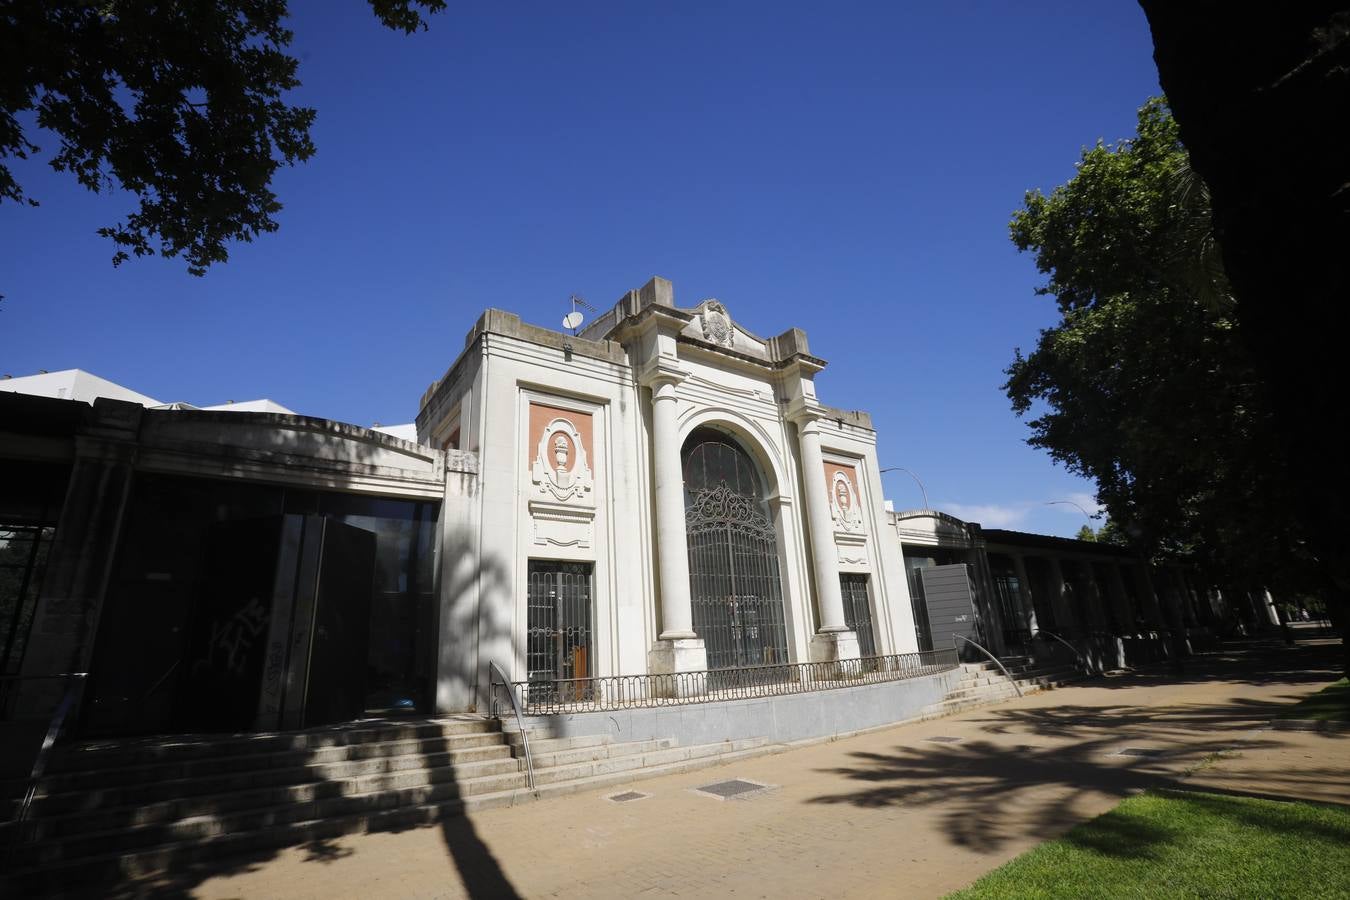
{"x":888,"y":814}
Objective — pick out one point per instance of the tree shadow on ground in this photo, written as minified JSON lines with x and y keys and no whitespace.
{"x":989,"y":791}
{"x":992,"y":793}
{"x":1157,"y":724}
{"x":1251,"y":661}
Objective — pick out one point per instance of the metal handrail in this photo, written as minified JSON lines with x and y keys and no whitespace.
{"x":962,"y":637}
{"x":54,"y":729}
{"x":1082,"y":660}
{"x":494,"y":672}
{"x":550,"y":696}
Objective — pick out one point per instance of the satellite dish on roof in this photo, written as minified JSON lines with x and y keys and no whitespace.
{"x":572,"y":319}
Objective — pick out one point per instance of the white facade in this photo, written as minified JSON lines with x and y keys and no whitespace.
{"x":579,"y":442}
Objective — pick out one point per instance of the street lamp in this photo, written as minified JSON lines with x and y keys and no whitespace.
{"x":911,"y":475}
{"x":1076,"y":506}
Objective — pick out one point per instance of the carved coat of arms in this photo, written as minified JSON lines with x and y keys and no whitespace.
{"x":717,"y":325}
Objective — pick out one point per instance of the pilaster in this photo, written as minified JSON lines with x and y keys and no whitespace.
{"x":834,"y":641}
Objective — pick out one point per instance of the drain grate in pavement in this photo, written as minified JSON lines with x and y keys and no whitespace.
{"x":943,"y":739}
{"x":627,"y":796}
{"x":1139,"y":751}
{"x":736,"y":787}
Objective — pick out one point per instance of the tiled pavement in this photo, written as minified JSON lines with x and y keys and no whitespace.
{"x":893,"y":813}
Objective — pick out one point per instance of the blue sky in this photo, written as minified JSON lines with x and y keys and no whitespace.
{"x":845,"y":168}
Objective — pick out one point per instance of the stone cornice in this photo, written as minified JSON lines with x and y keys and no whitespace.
{"x":661,"y":370}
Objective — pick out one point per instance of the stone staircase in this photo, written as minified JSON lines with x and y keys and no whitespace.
{"x":983,"y":683}
{"x":131,"y":809}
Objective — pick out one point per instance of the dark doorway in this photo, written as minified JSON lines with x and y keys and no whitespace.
{"x":222,"y":664}
{"x":31,"y":495}
{"x":734,"y":586}
{"x":858,"y":611}
{"x":1012,"y":605}
{"x":335,"y":690}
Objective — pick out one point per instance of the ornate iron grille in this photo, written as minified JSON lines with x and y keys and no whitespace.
{"x":558,"y":630}
{"x":733,"y":578}
{"x":858,"y":611}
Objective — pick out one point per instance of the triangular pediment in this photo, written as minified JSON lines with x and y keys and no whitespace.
{"x":713,"y":326}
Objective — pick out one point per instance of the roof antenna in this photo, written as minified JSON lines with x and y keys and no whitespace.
{"x":573,"y":319}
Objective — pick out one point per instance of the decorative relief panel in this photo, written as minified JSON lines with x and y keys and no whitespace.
{"x":562,"y":496}
{"x":560,"y":466}
{"x":850,"y":529}
{"x":845,"y":508}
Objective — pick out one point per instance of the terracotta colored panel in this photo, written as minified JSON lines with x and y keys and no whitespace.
{"x":540,"y":417}
{"x":848,"y":472}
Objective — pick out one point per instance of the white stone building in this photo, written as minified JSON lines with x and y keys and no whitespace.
{"x":611,"y":539}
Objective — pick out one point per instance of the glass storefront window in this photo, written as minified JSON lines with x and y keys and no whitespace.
{"x":225,"y":593}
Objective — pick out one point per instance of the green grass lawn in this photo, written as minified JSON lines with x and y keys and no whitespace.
{"x":1332,"y":704}
{"x":1184,"y":844}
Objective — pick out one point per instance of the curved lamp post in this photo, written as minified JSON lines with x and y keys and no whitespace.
{"x":1077,"y":506}
{"x":911,"y":475}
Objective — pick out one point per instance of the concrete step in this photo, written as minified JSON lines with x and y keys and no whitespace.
{"x":106,"y":755}
{"x":555,"y":744}
{"x":641,"y":761}
{"x":184,"y":789}
{"x":470,"y":746}
{"x":362,"y":777}
{"x":210,"y":844}
{"x":471,"y":777}
{"x":951,"y":704}
{"x":1042,"y":681}
{"x":80,"y":824}
{"x":596,"y":751}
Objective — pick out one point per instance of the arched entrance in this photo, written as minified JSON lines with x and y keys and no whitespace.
{"x":734,"y":585}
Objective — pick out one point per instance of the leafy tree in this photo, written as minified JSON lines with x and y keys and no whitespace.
{"x":180,"y":103}
{"x":1086,"y":534}
{"x":1144,"y":385}
{"x":1260,"y":93}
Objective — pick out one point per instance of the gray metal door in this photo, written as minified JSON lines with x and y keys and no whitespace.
{"x":950,"y":602}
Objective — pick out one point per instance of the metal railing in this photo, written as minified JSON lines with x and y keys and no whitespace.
{"x":74,"y":687}
{"x":1082,"y":660}
{"x":714,"y":685}
{"x":496,"y":677}
{"x":962,"y":637}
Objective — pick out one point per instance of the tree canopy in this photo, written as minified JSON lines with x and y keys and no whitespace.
{"x":180,"y":103}
{"x":1144,"y":385}
{"x":1260,"y":93}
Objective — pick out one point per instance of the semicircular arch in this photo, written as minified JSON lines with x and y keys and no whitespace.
{"x":751,"y":436}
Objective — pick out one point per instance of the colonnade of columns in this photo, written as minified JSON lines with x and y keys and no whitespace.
{"x":1104,"y":601}
{"x":1104,"y":606}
